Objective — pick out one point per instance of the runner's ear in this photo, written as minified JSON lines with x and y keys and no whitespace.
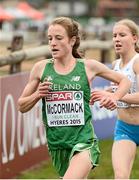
{"x":73,"y":40}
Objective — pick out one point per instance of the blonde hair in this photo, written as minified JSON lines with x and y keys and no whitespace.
{"x":134,"y":28}
{"x":72,"y":29}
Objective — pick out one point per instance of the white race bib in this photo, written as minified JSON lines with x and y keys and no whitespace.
{"x":65,"y":108}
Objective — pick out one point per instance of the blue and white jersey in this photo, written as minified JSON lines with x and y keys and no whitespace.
{"x":127,"y":71}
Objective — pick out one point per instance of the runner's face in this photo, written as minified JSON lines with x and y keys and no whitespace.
{"x":123,"y":39}
{"x":59,"y":42}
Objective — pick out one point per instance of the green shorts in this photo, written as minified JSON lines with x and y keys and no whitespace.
{"x":61,"y":157}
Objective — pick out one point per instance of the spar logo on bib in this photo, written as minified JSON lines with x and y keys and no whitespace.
{"x":63,"y":96}
{"x":59,"y":96}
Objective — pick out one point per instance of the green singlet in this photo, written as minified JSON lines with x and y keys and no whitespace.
{"x":67,"y":116}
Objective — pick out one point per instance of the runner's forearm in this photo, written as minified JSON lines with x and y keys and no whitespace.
{"x":26,"y":103}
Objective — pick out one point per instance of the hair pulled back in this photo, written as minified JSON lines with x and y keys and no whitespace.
{"x":72,"y":29}
{"x":134,"y":28}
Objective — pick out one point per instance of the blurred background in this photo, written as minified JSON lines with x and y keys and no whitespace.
{"x":95,"y":16}
{"x":23,"y":41}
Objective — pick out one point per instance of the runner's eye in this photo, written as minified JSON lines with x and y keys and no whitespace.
{"x":59,"y":37}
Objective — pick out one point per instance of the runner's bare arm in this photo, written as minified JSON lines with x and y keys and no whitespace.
{"x":103,"y":71}
{"x":34,"y":90}
{"x":107,"y":100}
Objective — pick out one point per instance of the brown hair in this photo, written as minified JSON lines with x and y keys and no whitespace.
{"x":72,"y":29}
{"x":133,"y":28}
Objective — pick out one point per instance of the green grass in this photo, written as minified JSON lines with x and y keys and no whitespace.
{"x":46,"y":171}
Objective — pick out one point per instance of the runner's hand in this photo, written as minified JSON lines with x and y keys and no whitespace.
{"x":106,"y":99}
{"x":44,"y":88}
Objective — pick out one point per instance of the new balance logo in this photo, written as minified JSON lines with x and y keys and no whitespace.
{"x":75,"y":78}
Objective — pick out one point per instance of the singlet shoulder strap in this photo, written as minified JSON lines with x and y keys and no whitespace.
{"x":49,"y":62}
{"x":116,"y":63}
{"x":133,"y":59}
{"x":80,"y":60}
